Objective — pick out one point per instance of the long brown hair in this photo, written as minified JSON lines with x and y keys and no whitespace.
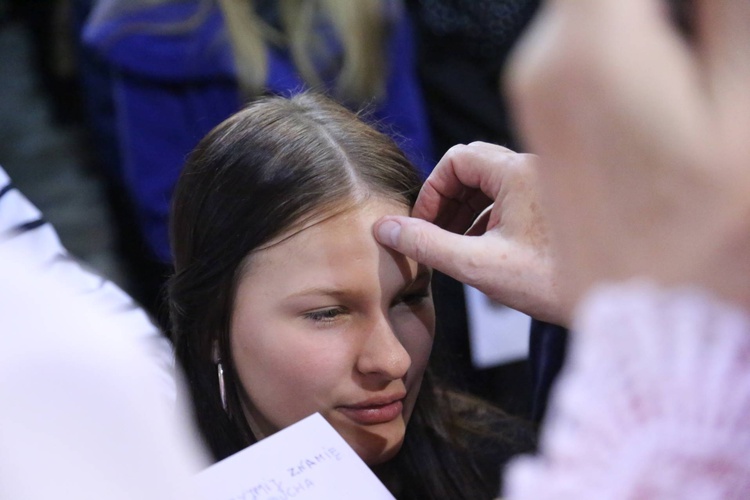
{"x":262,"y":172}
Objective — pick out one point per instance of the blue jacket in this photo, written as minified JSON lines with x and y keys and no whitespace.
{"x":171,"y":87}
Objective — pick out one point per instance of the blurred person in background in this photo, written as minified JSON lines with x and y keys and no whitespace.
{"x":76,"y":121}
{"x":180,"y":67}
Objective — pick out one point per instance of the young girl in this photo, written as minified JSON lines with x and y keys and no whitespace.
{"x":283,"y":304}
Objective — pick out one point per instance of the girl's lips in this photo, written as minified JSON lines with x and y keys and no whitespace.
{"x":373,"y":414}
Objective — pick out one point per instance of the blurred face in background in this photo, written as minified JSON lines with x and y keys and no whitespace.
{"x":327,"y":320}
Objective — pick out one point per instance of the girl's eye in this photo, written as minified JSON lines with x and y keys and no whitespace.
{"x":416,"y":298}
{"x":329,"y":314}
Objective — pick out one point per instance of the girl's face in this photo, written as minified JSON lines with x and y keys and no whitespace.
{"x":330,"y":321}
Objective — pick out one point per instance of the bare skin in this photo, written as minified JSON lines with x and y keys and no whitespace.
{"x":479,"y":219}
{"x":643,"y":148}
{"x":644,"y":141}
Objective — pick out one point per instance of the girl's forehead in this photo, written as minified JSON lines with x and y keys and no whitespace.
{"x":333,"y":233}
{"x":338,"y":253}
{"x":349,"y":209}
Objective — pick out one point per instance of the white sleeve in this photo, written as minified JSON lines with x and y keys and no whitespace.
{"x":81,"y":417}
{"x":653,"y":402}
{"x":24,"y":231}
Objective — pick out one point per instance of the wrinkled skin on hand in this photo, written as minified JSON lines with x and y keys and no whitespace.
{"x":644,"y":141}
{"x":488,"y":229}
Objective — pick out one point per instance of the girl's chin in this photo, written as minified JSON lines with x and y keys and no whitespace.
{"x":376,"y":448}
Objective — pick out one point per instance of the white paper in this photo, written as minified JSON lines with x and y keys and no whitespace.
{"x":497,"y":334}
{"x":306,"y":461}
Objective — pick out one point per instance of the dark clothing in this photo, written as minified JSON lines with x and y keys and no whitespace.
{"x":547,"y":350}
{"x":463,"y":45}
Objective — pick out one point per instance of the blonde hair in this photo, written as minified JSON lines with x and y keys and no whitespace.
{"x":361,"y":28}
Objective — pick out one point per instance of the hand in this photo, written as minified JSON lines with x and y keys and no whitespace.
{"x":484,"y":197}
{"x":644,"y":140}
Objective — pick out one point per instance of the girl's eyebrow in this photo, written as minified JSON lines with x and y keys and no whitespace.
{"x":328,"y":291}
{"x":423,"y":278}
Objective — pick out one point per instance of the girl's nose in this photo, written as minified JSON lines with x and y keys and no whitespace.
{"x":382,"y":352}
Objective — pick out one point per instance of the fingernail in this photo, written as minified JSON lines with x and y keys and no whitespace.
{"x":389,"y":232}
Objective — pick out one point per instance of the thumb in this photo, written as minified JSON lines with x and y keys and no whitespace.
{"x":427,"y":244}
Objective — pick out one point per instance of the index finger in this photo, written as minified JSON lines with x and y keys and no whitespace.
{"x":464,"y":182}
